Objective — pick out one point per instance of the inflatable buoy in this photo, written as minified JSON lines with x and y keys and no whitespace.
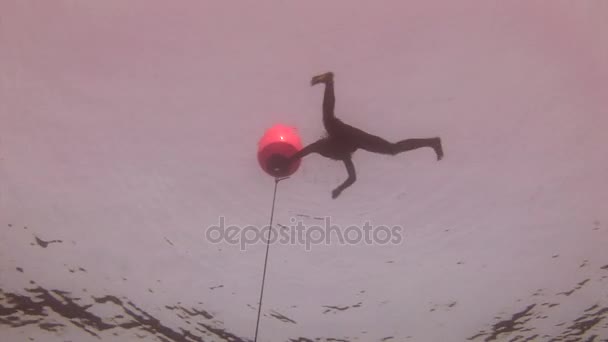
{"x":274,"y":148}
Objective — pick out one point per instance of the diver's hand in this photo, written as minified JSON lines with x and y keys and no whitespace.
{"x":278,"y":164}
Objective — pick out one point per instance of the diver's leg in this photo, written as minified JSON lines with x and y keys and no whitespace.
{"x":412,"y":144}
{"x":370,"y":142}
{"x":352,"y":177}
{"x":376,"y":144}
{"x":329,"y":99}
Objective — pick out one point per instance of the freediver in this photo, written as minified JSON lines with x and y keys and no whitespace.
{"x":342,"y":139}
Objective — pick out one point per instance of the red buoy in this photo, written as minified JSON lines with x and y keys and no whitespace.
{"x":279,"y":143}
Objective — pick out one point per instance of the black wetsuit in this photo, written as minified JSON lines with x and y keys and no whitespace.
{"x":342,"y":139}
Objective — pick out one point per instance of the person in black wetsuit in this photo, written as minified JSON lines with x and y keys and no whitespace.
{"x":342,"y":139}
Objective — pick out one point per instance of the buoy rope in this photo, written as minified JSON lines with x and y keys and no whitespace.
{"x":274,"y":196}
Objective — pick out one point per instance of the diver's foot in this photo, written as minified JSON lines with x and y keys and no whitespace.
{"x":323,"y":78}
{"x":438,"y":148}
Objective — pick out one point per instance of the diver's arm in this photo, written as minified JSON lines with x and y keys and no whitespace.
{"x":352,"y":177}
{"x":312,"y":148}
